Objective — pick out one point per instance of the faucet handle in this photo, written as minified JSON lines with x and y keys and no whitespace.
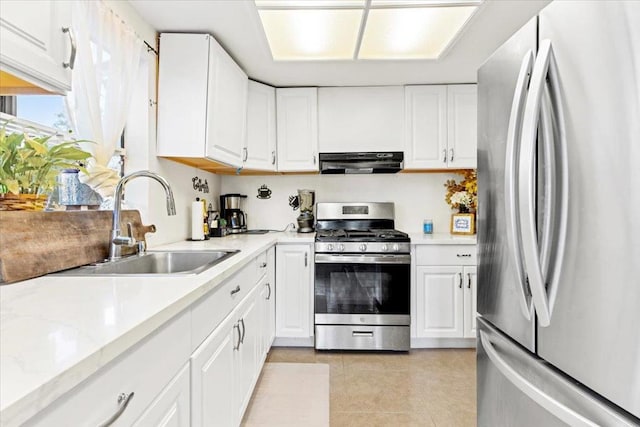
{"x":125,"y":240}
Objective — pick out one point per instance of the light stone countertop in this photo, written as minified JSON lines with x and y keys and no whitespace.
{"x":56,"y":331}
{"x":442,"y":239}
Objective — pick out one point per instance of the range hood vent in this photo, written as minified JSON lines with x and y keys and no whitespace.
{"x":361,"y":163}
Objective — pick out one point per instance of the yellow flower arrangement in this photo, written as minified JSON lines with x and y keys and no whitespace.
{"x":464,"y":195}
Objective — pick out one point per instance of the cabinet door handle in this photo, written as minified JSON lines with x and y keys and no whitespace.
{"x":243,"y":331}
{"x":314,"y":159}
{"x":236,"y":290}
{"x":306,"y":259}
{"x":237,"y":344}
{"x":245,"y":154}
{"x":123,"y":402}
{"x":269,"y":287}
{"x":460,"y":280}
{"x":468,"y":280}
{"x":273,"y":157}
{"x":263,"y":265}
{"x":444,"y":156}
{"x":74,"y":49}
{"x":451,"y":156}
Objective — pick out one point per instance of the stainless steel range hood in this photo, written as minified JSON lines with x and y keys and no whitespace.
{"x":361,"y":163}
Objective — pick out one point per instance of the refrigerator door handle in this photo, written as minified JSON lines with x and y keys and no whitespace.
{"x":543,"y":297}
{"x":561,"y":411}
{"x":511,"y":177}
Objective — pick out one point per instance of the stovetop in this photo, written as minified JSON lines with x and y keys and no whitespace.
{"x":368,"y":235}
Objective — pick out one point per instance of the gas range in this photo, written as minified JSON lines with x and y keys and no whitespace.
{"x":362,"y":278}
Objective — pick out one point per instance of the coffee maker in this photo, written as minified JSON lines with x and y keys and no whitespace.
{"x":305,"y":200}
{"x":231,"y":211}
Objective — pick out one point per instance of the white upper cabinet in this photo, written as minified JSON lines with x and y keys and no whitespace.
{"x":260,"y":149}
{"x":297,"y":129}
{"x":360,"y":119}
{"x":440,"y":127}
{"x":426,"y":127}
{"x":227,"y":107}
{"x":462,"y":126}
{"x":202,"y":100}
{"x":34,"y":44}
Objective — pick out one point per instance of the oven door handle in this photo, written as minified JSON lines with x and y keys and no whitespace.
{"x":362,"y":259}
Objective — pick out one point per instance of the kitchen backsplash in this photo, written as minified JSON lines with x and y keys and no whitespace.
{"x":416,"y":196}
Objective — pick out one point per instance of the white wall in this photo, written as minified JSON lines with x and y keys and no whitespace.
{"x":416,"y":196}
{"x":140,"y":142}
{"x":146,"y":195}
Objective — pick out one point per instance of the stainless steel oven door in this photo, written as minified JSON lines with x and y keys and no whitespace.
{"x":371,"y":289}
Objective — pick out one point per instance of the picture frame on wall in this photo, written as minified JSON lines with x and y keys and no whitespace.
{"x":463,"y":223}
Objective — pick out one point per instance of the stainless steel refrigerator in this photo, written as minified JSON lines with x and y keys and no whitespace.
{"x":559,"y":220}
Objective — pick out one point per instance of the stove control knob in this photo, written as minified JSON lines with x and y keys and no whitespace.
{"x":384,"y":248}
{"x":363,"y":247}
{"x":329,"y":247}
{"x":396,"y":248}
{"x":341,"y":247}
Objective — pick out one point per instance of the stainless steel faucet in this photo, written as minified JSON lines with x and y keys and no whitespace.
{"x":117,"y":240}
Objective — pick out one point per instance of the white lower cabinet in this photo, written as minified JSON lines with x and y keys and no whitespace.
{"x":249,"y":362}
{"x":445,"y":294}
{"x":213,"y":377}
{"x":440,"y":302}
{"x":294,"y":279}
{"x":226,"y":366}
{"x":470,"y":301}
{"x":170,"y":381}
{"x":172,"y":407}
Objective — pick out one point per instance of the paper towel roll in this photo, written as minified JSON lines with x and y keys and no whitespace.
{"x":197,"y":219}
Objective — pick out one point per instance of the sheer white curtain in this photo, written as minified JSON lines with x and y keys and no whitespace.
{"x":106,"y":69}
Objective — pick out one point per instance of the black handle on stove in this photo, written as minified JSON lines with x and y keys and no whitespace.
{"x":362,"y":259}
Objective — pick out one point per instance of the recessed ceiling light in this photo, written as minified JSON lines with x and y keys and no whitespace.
{"x":412,"y":33}
{"x":359,"y":29}
{"x":311,"y":34}
{"x":302,"y":4}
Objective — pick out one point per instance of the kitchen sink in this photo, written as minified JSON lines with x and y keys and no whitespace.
{"x":154,"y":263}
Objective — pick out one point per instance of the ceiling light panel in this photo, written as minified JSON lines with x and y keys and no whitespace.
{"x":412,"y":32}
{"x":429,"y":3}
{"x":311,"y":34}
{"x":305,"y":4}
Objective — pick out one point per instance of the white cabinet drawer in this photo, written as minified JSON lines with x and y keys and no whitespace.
{"x":143,"y":370}
{"x":207,"y":313}
{"x":445,"y":255}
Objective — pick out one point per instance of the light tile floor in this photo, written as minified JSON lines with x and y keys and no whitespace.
{"x":435,"y":387}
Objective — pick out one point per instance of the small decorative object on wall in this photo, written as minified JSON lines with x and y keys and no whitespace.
{"x":463,"y":196}
{"x":199,"y":185}
{"x":264,"y":192}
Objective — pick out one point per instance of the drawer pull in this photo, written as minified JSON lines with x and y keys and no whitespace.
{"x":263,"y":265}
{"x":123,"y":402}
{"x":237,"y":344}
{"x":368,"y":334}
{"x":463,"y":255}
{"x":269,"y":294}
{"x":236,"y":290}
